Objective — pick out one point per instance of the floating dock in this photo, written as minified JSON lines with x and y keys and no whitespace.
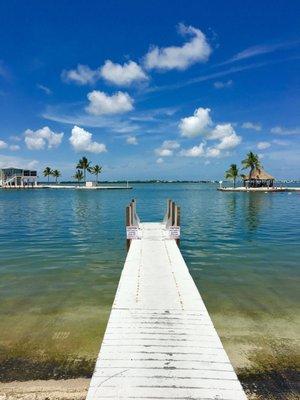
{"x":160,"y":342}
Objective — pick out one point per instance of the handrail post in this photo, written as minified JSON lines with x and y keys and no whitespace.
{"x":178,"y":222}
{"x":169,"y":208}
{"x":128,"y":212}
{"x":132,"y":220}
{"x":173,"y":214}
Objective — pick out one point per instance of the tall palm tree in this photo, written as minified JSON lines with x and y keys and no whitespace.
{"x":85,"y":165}
{"x":56,"y":173}
{"x":78,"y":176}
{"x":252,"y":162}
{"x":47,"y":172}
{"x":232,"y":173}
{"x":96,"y":170}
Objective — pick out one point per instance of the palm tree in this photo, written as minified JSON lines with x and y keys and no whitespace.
{"x":252,"y":162}
{"x":47,"y":172}
{"x":78,"y":176}
{"x":232,"y":173}
{"x":56,"y":173}
{"x":96,"y":170}
{"x":85,"y":165}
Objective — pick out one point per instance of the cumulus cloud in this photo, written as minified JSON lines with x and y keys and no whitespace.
{"x":213,"y":152}
{"x":201,"y":124}
{"x":220,"y":131}
{"x":122,"y":75}
{"x":81,"y":75}
{"x":167,"y":148}
{"x":197,"y":124}
{"x":195,"y":50}
{"x":223,"y":85}
{"x":280,"y":130}
{"x":81,"y":140}
{"x":263,"y":145}
{"x":195,"y":151}
{"x":3,"y":145}
{"x":101,"y":103}
{"x":229,"y":142}
{"x":251,"y":125}
{"x":132,"y":140}
{"x":42,"y":138}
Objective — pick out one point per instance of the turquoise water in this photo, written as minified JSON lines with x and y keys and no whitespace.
{"x":62,"y":251}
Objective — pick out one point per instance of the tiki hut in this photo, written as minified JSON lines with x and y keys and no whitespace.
{"x":258,"y":178}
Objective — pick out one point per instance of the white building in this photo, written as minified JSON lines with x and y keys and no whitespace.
{"x":17,"y":178}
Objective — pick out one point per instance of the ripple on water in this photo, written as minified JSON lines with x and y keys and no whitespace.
{"x":61,"y":254}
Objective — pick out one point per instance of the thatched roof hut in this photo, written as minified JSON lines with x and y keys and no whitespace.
{"x":258,"y":178}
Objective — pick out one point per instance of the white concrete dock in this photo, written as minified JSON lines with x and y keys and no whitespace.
{"x":160,"y":342}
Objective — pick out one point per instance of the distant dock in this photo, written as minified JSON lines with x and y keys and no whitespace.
{"x":160,"y":342}
{"x":102,"y":187}
{"x":70,"y":187}
{"x":259,"y":189}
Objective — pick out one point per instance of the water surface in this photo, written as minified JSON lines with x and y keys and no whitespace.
{"x":62,"y":251}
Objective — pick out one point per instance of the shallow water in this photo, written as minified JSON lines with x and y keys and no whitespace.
{"x":62,"y":251}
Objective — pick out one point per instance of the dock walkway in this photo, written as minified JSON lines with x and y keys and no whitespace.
{"x":160,"y":342}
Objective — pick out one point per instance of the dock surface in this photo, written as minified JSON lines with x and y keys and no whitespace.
{"x":160,"y":342}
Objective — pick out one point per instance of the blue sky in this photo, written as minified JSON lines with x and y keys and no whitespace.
{"x":149,"y":89}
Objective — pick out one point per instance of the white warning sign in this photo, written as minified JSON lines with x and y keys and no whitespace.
{"x":132,"y":232}
{"x":174,"y":232}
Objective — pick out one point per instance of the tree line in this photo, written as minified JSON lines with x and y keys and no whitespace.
{"x":83,"y":166}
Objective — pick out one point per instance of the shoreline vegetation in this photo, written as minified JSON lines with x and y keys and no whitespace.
{"x":153,"y":181}
{"x":272,"y":374}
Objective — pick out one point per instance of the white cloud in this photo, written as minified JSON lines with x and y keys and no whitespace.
{"x":201,"y":124}
{"x":41,"y":138}
{"x":81,"y":140}
{"x":279,"y":130}
{"x":163,"y":152}
{"x":167,"y":148}
{"x":223,"y":85}
{"x":195,"y":151}
{"x":176,"y":57}
{"x":3,"y":145}
{"x":229,"y":142}
{"x":258,"y":50}
{"x":132,"y":140}
{"x":14,"y":147}
{"x":220,"y":131}
{"x":82,"y":75}
{"x":228,"y":139}
{"x":263,"y":145}
{"x":197,"y":124}
{"x":101,"y":103}
{"x":212,"y":152}
{"x":251,"y":125}
{"x":17,"y":162}
{"x":159,"y":160}
{"x":123,"y":75}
